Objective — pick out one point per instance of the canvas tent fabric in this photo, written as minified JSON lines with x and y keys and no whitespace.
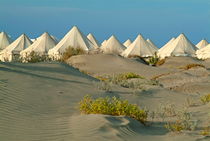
{"x":92,"y":38}
{"x":75,"y":39}
{"x":152,"y":44}
{"x":127,"y":43}
{"x":5,"y":40}
{"x":203,"y":53}
{"x":12,"y":51}
{"x":103,"y":43}
{"x":202,"y":44}
{"x":113,"y":46}
{"x":40,"y":46}
{"x":181,"y":46}
{"x":139,"y":47}
{"x":165,"y":47}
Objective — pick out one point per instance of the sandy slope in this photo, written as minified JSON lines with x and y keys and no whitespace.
{"x":38,"y":102}
{"x":177,"y":62}
{"x":100,"y":64}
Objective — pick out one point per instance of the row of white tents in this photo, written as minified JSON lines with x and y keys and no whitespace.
{"x":48,"y":45}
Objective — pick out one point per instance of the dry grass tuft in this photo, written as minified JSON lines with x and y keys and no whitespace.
{"x":190,"y":66}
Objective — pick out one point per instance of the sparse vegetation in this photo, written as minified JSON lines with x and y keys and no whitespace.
{"x":166,"y":110}
{"x":155,"y":60}
{"x":128,"y":80}
{"x":34,"y":57}
{"x":122,"y":79}
{"x":112,"y":106}
{"x":105,"y":86}
{"x":190,"y":102}
{"x":70,"y":51}
{"x":205,"y":99}
{"x":183,"y":122}
{"x":190,"y":66}
{"x":126,"y":76}
{"x":175,"y":127}
{"x":205,"y":132}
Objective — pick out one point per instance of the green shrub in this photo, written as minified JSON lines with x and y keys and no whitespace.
{"x":205,"y":99}
{"x":129,"y":75}
{"x":70,"y":51}
{"x":153,"y":60}
{"x":112,"y":106}
{"x":175,"y":127}
{"x":190,"y":66}
{"x":205,"y":131}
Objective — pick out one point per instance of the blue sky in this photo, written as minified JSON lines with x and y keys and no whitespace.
{"x":158,"y":20}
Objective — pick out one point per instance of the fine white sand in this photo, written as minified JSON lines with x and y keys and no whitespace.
{"x":39,"y":102}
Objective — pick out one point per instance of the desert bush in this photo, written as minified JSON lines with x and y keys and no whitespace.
{"x":190,"y":101}
{"x":34,"y":57}
{"x":112,"y":106}
{"x":153,"y":60}
{"x":126,"y":80}
{"x":190,"y":66}
{"x":70,"y":51}
{"x":183,"y":122}
{"x":105,"y":86}
{"x":131,"y":84}
{"x":129,"y":75}
{"x":205,"y":131}
{"x":118,"y":78}
{"x":174,"y":127}
{"x":166,"y":110}
{"x":205,"y":99}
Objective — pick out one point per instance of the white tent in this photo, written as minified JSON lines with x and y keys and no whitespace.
{"x":93,"y":40}
{"x":75,"y":39}
{"x":202,"y":44}
{"x":4,"y":40}
{"x":181,"y":46}
{"x":12,"y":51}
{"x":203,"y":53}
{"x":152,"y":44}
{"x":40,"y":46}
{"x":113,"y":46}
{"x":139,"y":47}
{"x":104,"y":43}
{"x":165,"y":47}
{"x":127,"y":43}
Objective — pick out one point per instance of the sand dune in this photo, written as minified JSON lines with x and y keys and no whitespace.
{"x":39,"y":102}
{"x":177,"y":62}
{"x":100,"y":64}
